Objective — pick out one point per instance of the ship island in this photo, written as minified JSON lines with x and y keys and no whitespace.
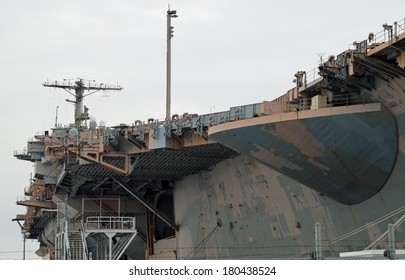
{"x":316,"y":173}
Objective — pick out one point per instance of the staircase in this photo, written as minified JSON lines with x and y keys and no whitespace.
{"x":122,"y":244}
{"x":76,"y":247}
{"x":116,"y":232}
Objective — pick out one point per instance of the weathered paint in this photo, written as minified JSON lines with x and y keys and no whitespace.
{"x":347,"y":157}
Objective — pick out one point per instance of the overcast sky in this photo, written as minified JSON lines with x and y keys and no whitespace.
{"x":224,"y":53}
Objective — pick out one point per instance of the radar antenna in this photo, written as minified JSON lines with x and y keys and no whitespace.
{"x":80,"y":86}
{"x":321,"y":55}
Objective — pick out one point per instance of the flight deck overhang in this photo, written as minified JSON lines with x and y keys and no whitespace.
{"x":163,"y":164}
{"x":346,"y":153}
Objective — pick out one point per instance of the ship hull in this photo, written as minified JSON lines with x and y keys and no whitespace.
{"x":265,"y":214}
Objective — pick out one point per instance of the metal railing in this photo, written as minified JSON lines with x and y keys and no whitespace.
{"x":337,"y":101}
{"x":311,"y":76}
{"x":301,"y":104}
{"x":109,"y":222}
{"x":388,"y":33}
{"x":24,"y":198}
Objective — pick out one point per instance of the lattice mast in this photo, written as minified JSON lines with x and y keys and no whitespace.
{"x":80,"y":86}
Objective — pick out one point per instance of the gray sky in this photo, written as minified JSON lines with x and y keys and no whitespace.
{"x":224,"y":53}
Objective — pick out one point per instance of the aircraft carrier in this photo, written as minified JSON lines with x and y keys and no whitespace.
{"x":314,"y":174}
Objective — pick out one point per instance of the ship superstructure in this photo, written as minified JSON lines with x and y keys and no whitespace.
{"x":249,"y":182}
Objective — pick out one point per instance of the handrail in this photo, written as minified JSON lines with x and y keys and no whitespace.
{"x":375,"y":39}
{"x":109,"y":222}
{"x":312,"y":75}
{"x":337,"y":101}
{"x":300,"y":104}
{"x":388,"y":33}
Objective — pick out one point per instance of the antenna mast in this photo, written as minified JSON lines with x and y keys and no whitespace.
{"x":56,"y":117}
{"x":80,"y":86}
{"x":170,"y":14}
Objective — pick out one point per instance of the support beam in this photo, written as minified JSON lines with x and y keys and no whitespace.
{"x":38,"y":204}
{"x":123,"y":161}
{"x":20,"y":217}
{"x":318,"y":242}
{"x":77,"y":182}
{"x":391,"y":242}
{"x":148,"y":205}
{"x":380,"y":66}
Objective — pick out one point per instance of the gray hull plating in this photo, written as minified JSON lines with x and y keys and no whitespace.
{"x":347,"y":156}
